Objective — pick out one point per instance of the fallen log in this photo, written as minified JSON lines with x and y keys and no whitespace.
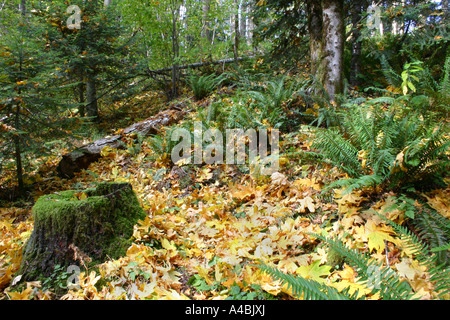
{"x":83,"y":156}
{"x":197,"y":65}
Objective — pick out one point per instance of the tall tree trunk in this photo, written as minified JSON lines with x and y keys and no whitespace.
{"x":250,"y":24}
{"x":236,"y":32}
{"x":315,"y":29}
{"x":243,"y":21}
{"x":18,"y":151}
{"x":330,"y":72}
{"x":81,"y":108}
{"x":176,"y":53}
{"x":16,"y":139}
{"x":22,"y":7}
{"x":206,"y":30}
{"x":355,"y":68}
{"x":445,"y":10}
{"x":91,"y":97}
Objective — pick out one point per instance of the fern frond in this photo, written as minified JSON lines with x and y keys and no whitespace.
{"x":392,"y":78}
{"x":439,"y":274}
{"x":356,"y":183}
{"x":339,"y":150}
{"x":386,"y":283}
{"x":307,"y":289}
{"x":434,"y":229}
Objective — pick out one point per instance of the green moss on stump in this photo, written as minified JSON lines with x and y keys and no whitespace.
{"x":100,"y":225}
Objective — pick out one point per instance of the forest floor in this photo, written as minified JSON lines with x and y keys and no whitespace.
{"x":208,"y":226}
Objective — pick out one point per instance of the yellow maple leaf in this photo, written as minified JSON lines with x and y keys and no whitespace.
{"x":23,"y":295}
{"x":348,"y":273}
{"x":376,"y":236}
{"x":307,"y":202}
{"x":307,"y":182}
{"x":169,"y":245}
{"x":314,"y":271}
{"x":243,"y":192}
{"x":409,"y":268}
{"x":279,"y":179}
{"x":205,"y":174}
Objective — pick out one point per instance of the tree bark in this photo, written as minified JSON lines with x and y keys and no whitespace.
{"x":445,"y":10}
{"x":330,"y":72}
{"x":91,"y":97}
{"x":236,"y":32}
{"x":81,"y":88}
{"x":206,"y":30}
{"x":315,"y":29}
{"x":355,"y":67}
{"x":22,"y":7}
{"x":175,"y":52}
{"x":69,"y":229}
{"x":327,"y":32}
{"x":18,"y":151}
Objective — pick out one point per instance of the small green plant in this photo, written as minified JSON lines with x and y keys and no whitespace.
{"x":135,"y":271}
{"x":59,"y":281}
{"x":252,"y":292}
{"x":433,"y":229}
{"x":201,"y":285}
{"x":431,"y":258}
{"x":403,"y":203}
{"x":407,"y":76}
{"x":161,"y":145}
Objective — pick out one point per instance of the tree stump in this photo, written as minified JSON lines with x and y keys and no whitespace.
{"x":73,"y":226}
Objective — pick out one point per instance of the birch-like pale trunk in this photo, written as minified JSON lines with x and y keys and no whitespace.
{"x":330,"y":72}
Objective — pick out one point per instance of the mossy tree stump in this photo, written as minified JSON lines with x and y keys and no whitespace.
{"x":97,"y":222}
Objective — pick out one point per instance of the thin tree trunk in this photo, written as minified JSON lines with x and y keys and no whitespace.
{"x":22,"y":7}
{"x":243,"y":21}
{"x":176,"y":53}
{"x":17,"y":142}
{"x":330,"y":72}
{"x":206,"y":30}
{"x":91,"y":97}
{"x":236,"y":33}
{"x":355,"y":68}
{"x":18,"y":151}
{"x":250,"y":24}
{"x":445,"y":10}
{"x":315,"y":28}
{"x":81,"y":108}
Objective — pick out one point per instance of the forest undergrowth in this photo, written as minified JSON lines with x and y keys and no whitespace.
{"x":210,"y":228}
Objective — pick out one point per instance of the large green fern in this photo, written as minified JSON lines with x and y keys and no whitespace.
{"x":379,"y":147}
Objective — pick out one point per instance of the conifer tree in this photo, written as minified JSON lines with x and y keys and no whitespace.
{"x":30,"y":103}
